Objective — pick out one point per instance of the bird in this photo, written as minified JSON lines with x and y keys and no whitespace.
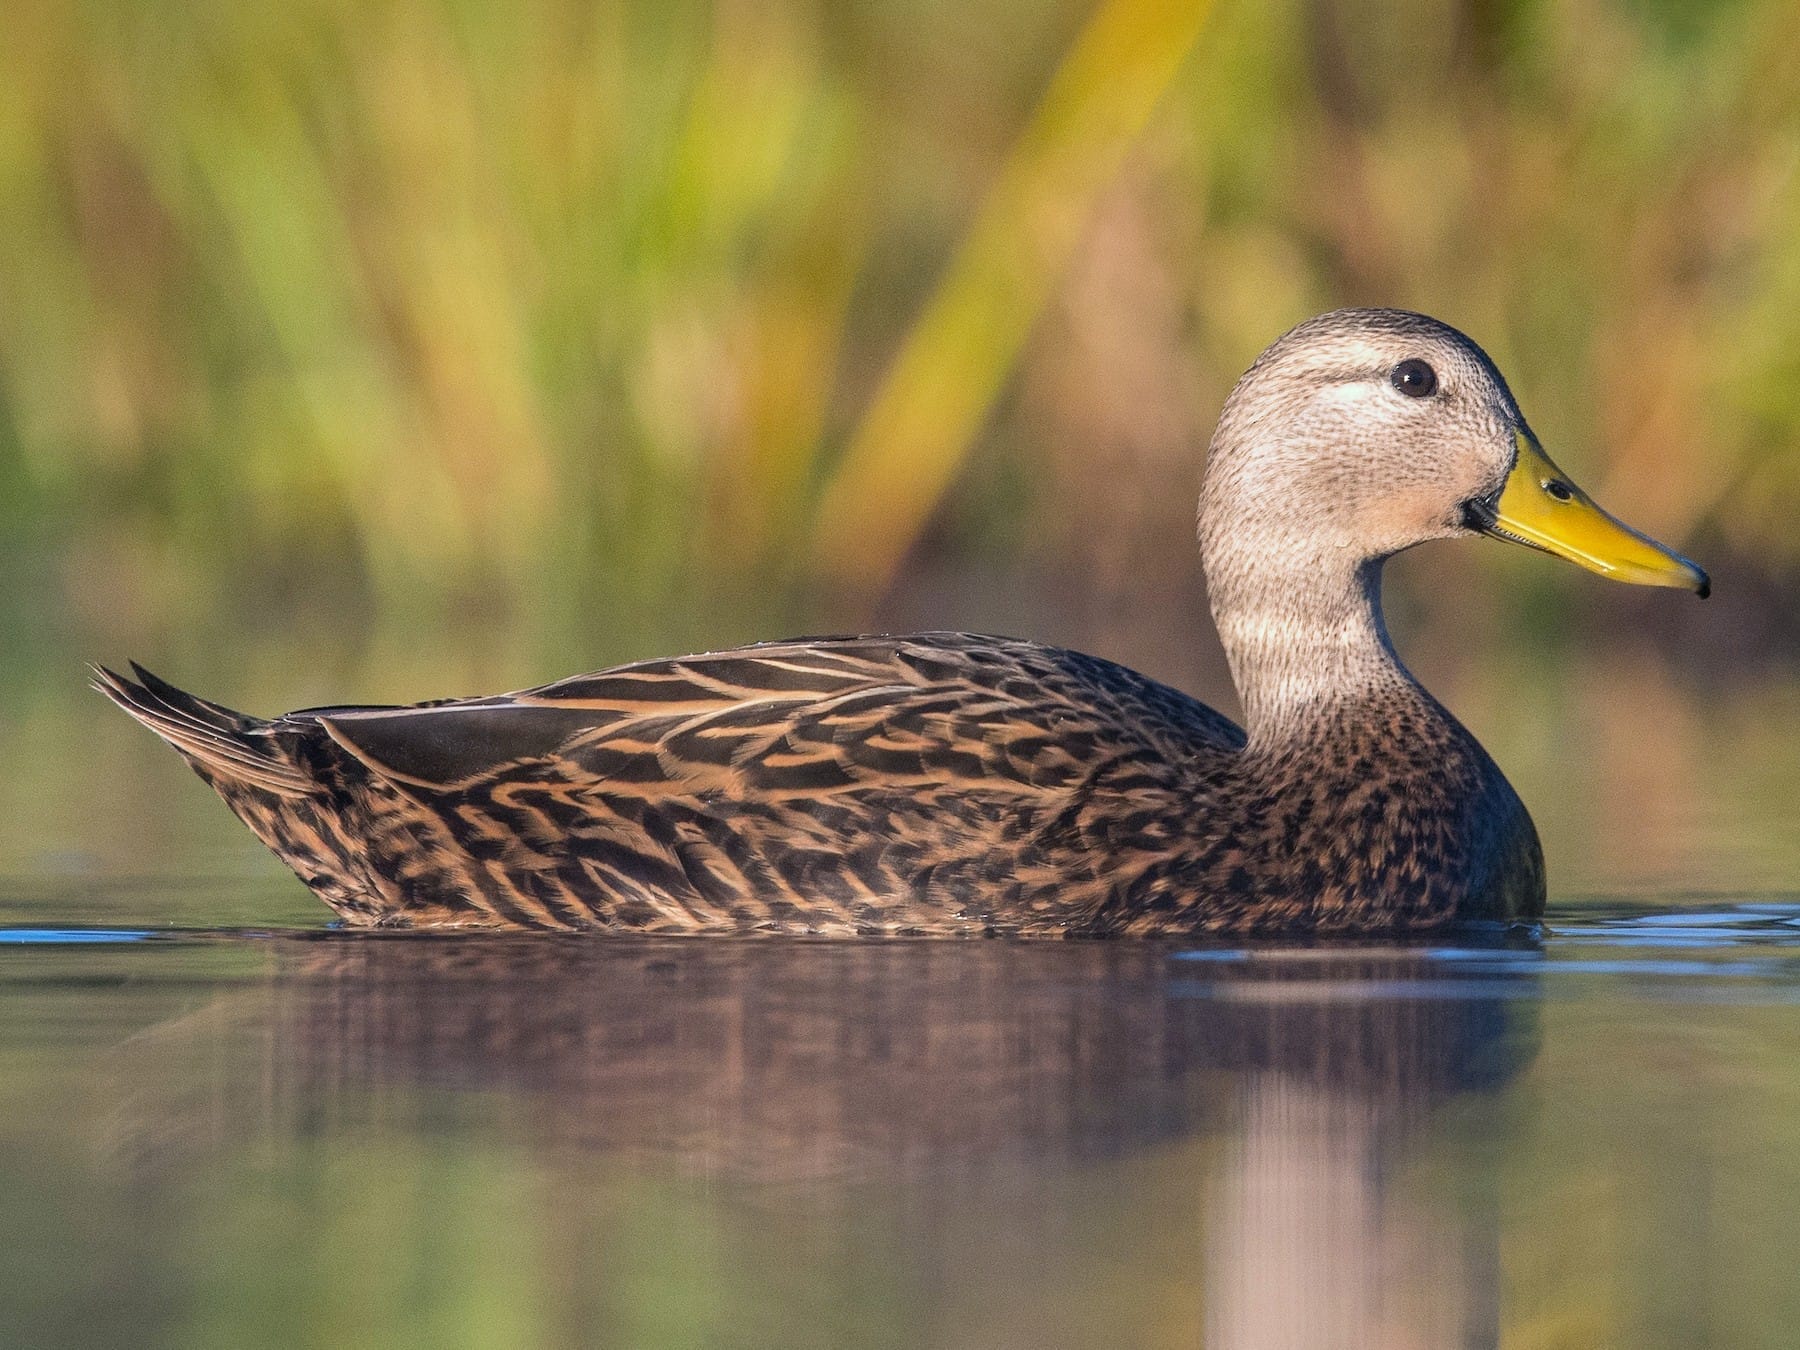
{"x":945,"y":783}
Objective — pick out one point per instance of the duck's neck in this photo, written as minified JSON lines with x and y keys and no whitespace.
{"x":1307,"y":643}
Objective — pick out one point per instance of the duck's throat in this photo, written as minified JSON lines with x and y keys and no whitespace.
{"x":1307,"y":647}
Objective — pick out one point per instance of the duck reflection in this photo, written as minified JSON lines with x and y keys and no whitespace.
{"x":805,"y":1059}
{"x":1286,"y":1091}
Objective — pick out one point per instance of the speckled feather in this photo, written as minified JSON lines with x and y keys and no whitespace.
{"x":947,"y":783}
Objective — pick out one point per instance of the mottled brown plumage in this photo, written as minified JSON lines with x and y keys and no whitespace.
{"x":947,"y":783}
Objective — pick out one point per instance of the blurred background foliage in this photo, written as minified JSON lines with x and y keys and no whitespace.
{"x":416,"y":347}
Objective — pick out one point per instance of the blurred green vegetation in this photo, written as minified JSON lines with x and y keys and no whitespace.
{"x":421,"y":347}
{"x":534,"y":318}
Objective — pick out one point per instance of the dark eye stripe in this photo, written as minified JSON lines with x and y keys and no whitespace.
{"x":1415,"y":378}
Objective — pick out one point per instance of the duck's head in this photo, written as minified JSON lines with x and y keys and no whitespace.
{"x":1365,"y":431}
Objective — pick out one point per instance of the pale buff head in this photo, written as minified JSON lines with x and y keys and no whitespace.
{"x":1356,"y":435}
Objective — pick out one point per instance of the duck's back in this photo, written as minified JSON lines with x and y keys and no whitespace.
{"x":928,"y":783}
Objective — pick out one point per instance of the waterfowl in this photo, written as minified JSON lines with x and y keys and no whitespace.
{"x":943,"y":783}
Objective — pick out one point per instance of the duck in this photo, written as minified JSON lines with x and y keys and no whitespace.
{"x":947,"y":783}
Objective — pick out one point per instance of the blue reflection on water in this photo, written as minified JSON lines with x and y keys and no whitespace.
{"x":1755,"y":947}
{"x":29,"y":937}
{"x":1771,"y":927}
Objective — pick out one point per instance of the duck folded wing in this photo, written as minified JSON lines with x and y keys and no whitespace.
{"x":820,"y":717}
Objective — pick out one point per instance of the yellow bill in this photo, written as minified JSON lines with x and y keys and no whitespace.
{"x":1540,"y":507}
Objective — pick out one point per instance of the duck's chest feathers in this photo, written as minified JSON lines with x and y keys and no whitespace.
{"x":1392,"y":819}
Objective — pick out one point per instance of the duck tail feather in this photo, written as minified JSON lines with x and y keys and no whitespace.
{"x":212,"y":737}
{"x":217,"y":714}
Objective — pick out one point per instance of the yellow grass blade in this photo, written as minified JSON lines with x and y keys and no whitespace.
{"x":943,"y":384}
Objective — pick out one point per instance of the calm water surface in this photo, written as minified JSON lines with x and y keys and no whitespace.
{"x":239,"y":1137}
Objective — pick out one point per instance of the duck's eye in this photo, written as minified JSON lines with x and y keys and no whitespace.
{"x":1559,"y":490}
{"x":1415,"y":379}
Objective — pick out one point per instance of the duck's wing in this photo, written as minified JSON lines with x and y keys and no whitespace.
{"x":810,"y":716}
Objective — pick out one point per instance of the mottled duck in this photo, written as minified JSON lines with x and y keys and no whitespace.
{"x":945,"y":783}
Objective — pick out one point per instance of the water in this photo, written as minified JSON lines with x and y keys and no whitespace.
{"x":237,"y":1137}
